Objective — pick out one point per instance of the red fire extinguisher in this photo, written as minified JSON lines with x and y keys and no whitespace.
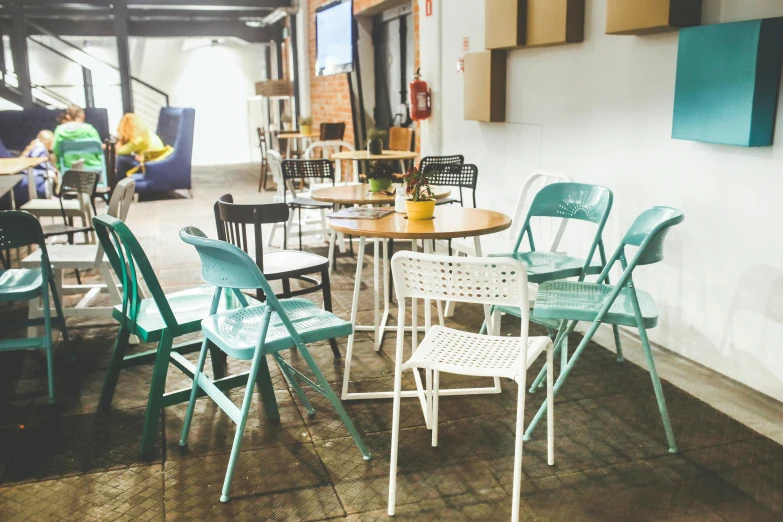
{"x":421,"y":104}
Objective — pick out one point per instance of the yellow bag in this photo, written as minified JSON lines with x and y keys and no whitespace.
{"x":151,"y":156}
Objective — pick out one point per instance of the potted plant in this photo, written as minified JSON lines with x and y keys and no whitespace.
{"x":375,"y":139}
{"x":306,"y":124}
{"x":285,"y":121}
{"x":420,"y":203}
{"x":380,"y":175}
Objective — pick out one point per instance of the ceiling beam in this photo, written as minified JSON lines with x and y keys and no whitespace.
{"x":218,"y":4}
{"x":40,"y":12}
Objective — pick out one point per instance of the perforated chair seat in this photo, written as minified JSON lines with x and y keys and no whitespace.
{"x":304,"y":202}
{"x":576,"y":301}
{"x":188,"y":306}
{"x":237,"y":332}
{"x":548,"y":266}
{"x":465,"y":353}
{"x":19,"y":284}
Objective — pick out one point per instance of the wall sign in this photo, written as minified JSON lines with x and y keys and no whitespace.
{"x":466,"y":44}
{"x":428,"y":7}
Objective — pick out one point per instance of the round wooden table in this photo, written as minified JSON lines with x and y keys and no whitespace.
{"x":388,"y":155}
{"x":361,"y":195}
{"x":293,"y":136}
{"x":450,"y":222}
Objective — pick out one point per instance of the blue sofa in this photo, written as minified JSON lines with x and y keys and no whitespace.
{"x":19,"y":128}
{"x":175,"y":128}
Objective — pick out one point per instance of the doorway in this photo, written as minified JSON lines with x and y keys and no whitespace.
{"x":394,"y":60}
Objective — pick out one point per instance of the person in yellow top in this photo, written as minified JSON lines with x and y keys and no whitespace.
{"x":135,"y":138}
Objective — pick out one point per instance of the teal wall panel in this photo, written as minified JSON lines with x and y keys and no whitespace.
{"x":728,"y":77}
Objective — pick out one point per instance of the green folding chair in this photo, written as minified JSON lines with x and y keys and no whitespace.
{"x":620,"y":304}
{"x":253,"y":332}
{"x":568,"y":201}
{"x":160,"y":318}
{"x":21,"y":229}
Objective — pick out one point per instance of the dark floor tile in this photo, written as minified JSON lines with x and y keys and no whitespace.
{"x":281,"y":483}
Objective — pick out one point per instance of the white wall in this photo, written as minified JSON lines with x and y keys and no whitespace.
{"x":601,"y":111}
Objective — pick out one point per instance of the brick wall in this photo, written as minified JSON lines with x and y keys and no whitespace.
{"x":329,"y":95}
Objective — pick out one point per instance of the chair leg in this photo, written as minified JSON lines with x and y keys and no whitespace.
{"x":550,"y":417}
{"x":300,"y":229}
{"x":218,"y":360}
{"x":395,"y":430}
{"x":617,"y":343}
{"x":560,"y":339}
{"x":435,"y":398}
{"x":326,"y":289}
{"x":155,"y":399}
{"x":291,"y":378}
{"x":267,"y":391}
{"x":202,"y":356}
{"x":47,"y":315}
{"x":518,"y":441}
{"x":115,"y":366}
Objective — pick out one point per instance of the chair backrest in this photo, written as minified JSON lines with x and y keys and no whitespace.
{"x":233,"y":220}
{"x":275,"y":161}
{"x":121,"y":198}
{"x":278,"y":143}
{"x":327,"y":149}
{"x":441,"y":160}
{"x":84,"y":146}
{"x":573,"y":201}
{"x":307,"y":169}
{"x":128,"y":260}
{"x":82,"y":183}
{"x":487,"y":281}
{"x":401,"y":138}
{"x":332,"y":131}
{"x":461,"y":175}
{"x":262,"y":144}
{"x":535,"y":182}
{"x":21,"y":229}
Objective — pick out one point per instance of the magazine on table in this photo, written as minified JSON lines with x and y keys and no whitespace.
{"x":362,"y":213}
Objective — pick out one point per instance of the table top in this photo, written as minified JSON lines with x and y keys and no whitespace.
{"x":363,"y":155}
{"x":450,"y":222}
{"x":9,"y":166}
{"x":8,"y":182}
{"x":361,"y":195}
{"x":298,"y":135}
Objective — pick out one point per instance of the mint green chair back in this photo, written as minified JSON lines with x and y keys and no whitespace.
{"x":255,"y":332}
{"x":21,"y":229}
{"x":73,"y":150}
{"x":620,"y":304}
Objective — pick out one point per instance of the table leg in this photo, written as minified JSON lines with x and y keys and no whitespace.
{"x":354,"y":310}
{"x":332,"y":239}
{"x":376,"y":291}
{"x":31,"y":184}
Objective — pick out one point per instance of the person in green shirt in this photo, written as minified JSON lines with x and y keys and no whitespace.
{"x":76,"y":129}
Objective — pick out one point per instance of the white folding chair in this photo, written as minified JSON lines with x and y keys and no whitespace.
{"x":327,"y":149}
{"x":504,"y":242}
{"x":85,"y":257}
{"x":483,"y":281}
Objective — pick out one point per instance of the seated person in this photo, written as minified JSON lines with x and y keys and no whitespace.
{"x":135,"y":138}
{"x":76,"y":129}
{"x":41,"y":147}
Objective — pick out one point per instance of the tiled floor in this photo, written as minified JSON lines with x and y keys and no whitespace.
{"x":66,"y":462}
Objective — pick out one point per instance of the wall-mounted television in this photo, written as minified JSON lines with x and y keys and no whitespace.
{"x":334,"y":38}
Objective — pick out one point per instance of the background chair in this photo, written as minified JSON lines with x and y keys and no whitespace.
{"x":160,"y":318}
{"x":19,"y":229}
{"x":306,"y":170}
{"x":430,"y":161}
{"x":332,"y":131}
{"x":620,"y":304}
{"x":232,"y":222}
{"x":402,"y":139}
{"x":460,"y":176}
{"x":87,"y":257}
{"x":327,"y":149}
{"x":72,"y":151}
{"x":262,"y":145}
{"x":492,"y":282}
{"x":175,"y":128}
{"x":251,"y":333}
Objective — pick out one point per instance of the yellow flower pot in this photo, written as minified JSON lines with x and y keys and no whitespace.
{"x":418,"y":210}
{"x":306,"y":129}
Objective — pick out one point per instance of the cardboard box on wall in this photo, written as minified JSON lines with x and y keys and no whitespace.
{"x":274,"y":88}
{"x":552,"y":22}
{"x":485,"y":86}
{"x":651,"y":16}
{"x":505,"y":23}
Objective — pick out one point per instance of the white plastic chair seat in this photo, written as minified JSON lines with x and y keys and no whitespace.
{"x":51,"y":207}
{"x":465,"y":353}
{"x":63,"y":257}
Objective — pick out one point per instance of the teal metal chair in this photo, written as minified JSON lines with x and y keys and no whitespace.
{"x":160,"y":318}
{"x":21,"y":229}
{"x":571,"y":201}
{"x":72,"y":150}
{"x":253,"y":332}
{"x":620,"y":304}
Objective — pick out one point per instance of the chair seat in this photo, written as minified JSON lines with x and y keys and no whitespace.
{"x":576,"y":301}
{"x":189,"y":307}
{"x":278,"y":264}
{"x":465,"y":353}
{"x":20,"y":284}
{"x":237,"y":332}
{"x":66,"y":257}
{"x":51,"y":207}
{"x":308,"y":203}
{"x":549,"y":266}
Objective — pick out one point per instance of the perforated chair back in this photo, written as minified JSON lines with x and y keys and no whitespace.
{"x":534,"y":183}
{"x":461,"y":175}
{"x":429,"y":161}
{"x":129,"y":261}
{"x":332,"y":131}
{"x":232,"y":222}
{"x":20,"y":229}
{"x":327,"y":149}
{"x":320,"y":169}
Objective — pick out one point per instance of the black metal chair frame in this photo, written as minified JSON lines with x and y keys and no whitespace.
{"x":302,"y":170}
{"x":262,"y":144}
{"x":232,"y":222}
